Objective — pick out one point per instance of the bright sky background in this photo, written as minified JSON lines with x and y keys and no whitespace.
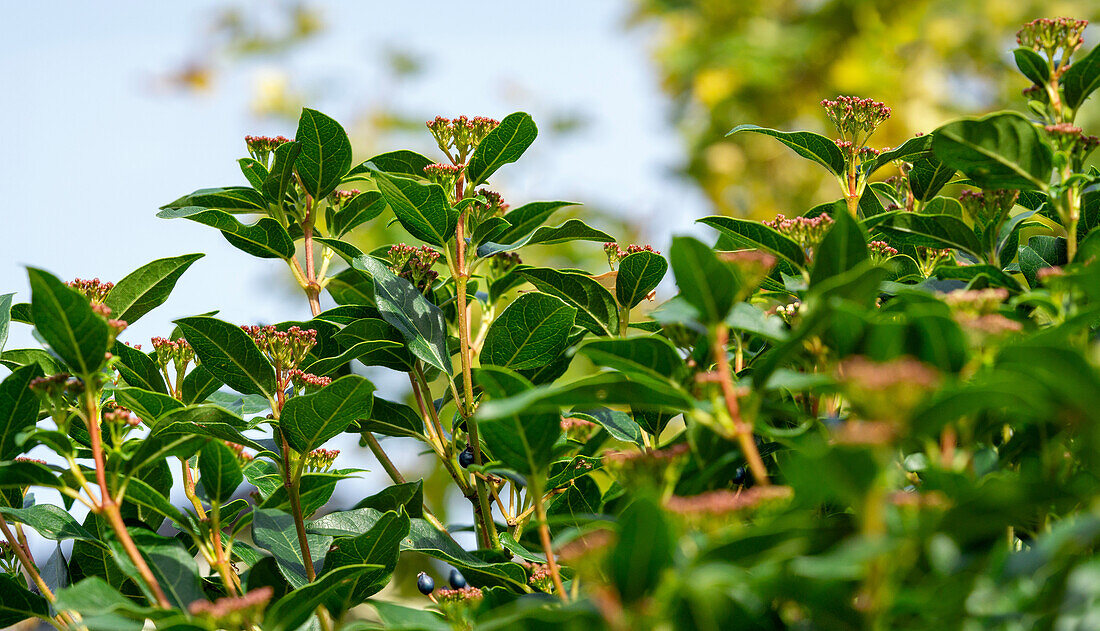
{"x":91,"y":143}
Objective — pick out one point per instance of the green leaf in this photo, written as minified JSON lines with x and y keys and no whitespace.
{"x":596,"y":308}
{"x":145,"y":496}
{"x":523,"y":442}
{"x":806,"y":144}
{"x":360,"y":209}
{"x":147,"y":287}
{"x":50,"y":521}
{"x":229,"y":354}
{"x":232,"y":199}
{"x":594,"y":391}
{"x":393,"y":419}
{"x":282,"y":171}
{"x":198,"y":385}
{"x":66,"y":321}
{"x":23,"y":473}
{"x":531,"y":332}
{"x":274,"y":531}
{"x":220,"y":472}
{"x":18,"y":408}
{"x":408,"y":497}
{"x":706,"y":283}
{"x":172,"y":565}
{"x":911,"y":150}
{"x":380,"y":545}
{"x":17,"y":357}
{"x":571,"y":230}
{"x":308,"y":421}
{"x":326,"y":153}
{"x":5,"y":318}
{"x":503,"y":145}
{"x":1002,"y":150}
{"x":751,"y":319}
{"x":266,"y":239}
{"x":654,"y":357}
{"x":17,"y":603}
{"x":1082,"y":77}
{"x":421,"y":208}
{"x":423,"y":537}
{"x":928,"y":176}
{"x":1032,"y":65}
{"x":620,"y":425}
{"x":292,"y":610}
{"x":752,"y":234}
{"x":1041,"y":251}
{"x":401,"y":618}
{"x":643,"y":552}
{"x":527,"y":218}
{"x":148,"y":405}
{"x":639,"y":274}
{"x":402,"y":161}
{"x":138,"y":369}
{"x":254,"y":172}
{"x":383,"y":344}
{"x":406,"y":309}
{"x":844,"y":247}
{"x":932,"y":231}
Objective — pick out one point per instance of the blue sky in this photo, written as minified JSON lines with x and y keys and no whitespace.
{"x":92,"y":144}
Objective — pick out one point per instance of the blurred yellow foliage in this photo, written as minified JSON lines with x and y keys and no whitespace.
{"x":771,"y":62}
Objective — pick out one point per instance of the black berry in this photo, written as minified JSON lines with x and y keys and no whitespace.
{"x":466,"y":458}
{"x":457,"y":580}
{"x":425,"y":583}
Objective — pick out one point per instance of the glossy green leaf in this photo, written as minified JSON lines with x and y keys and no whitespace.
{"x":274,"y":531}
{"x":706,"y":283}
{"x":172,"y":565}
{"x":392,"y":419}
{"x":380,"y":545}
{"x":402,"y":306}
{"x":523,"y":442}
{"x":18,"y":408}
{"x":1032,"y":65}
{"x":148,"y":405}
{"x":596,"y":308}
{"x":66,"y":321}
{"x":806,"y":144}
{"x":293,"y":610}
{"x":653,"y":357}
{"x":5,"y":318}
{"x":326,"y":153}
{"x":531,"y":332}
{"x":643,"y":552}
{"x":595,"y":391}
{"x":503,"y":145}
{"x":751,"y":234}
{"x":1041,"y":251}
{"x":620,"y":425}
{"x":49,"y":521}
{"x":16,"y":357}
{"x":407,"y":497}
{"x":1002,"y":150}
{"x":308,"y":421}
{"x":147,"y":287}
{"x":423,"y":537}
{"x":231,"y":199}
{"x":527,"y":218}
{"x":402,"y":162}
{"x":360,"y":209}
{"x":932,"y":231}
{"x":639,"y":274}
{"x":254,"y":172}
{"x":420,"y":207}
{"x":1081,"y":78}
{"x":843,"y":248}
{"x":17,"y":603}
{"x":198,"y":385}
{"x":229,"y":354}
{"x":911,"y":150}
{"x":138,"y":369}
{"x":927,"y":177}
{"x":266,"y":238}
{"x":282,"y":171}
{"x":220,"y":471}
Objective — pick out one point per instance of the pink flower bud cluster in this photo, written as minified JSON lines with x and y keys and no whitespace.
{"x":502,"y":262}
{"x":471,"y":595}
{"x":461,"y":134}
{"x":577,"y":429}
{"x":234,"y":612}
{"x":264,"y":143}
{"x":308,"y":380}
{"x":117,"y":415}
{"x":94,"y":290}
{"x":1073,"y":141}
{"x":988,"y":207}
{"x":648,"y":455}
{"x":929,"y":258}
{"x":880,"y":251}
{"x":321,"y":459}
{"x":1059,"y":38}
{"x":415,"y":265}
{"x":482,"y":211}
{"x":243,"y":456}
{"x":806,"y":231}
{"x":443,"y":174}
{"x":285,"y":349}
{"x":614,"y":254}
{"x":57,"y":385}
{"x":885,"y":391}
{"x":855,"y":118}
{"x":339,"y":198}
{"x":726,"y":502}
{"x":540,"y":577}
{"x":176,"y":352}
{"x":976,"y":301}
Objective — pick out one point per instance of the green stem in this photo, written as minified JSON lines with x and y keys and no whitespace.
{"x":544,"y":537}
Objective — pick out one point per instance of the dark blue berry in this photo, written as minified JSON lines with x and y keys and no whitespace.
{"x":457,"y":580}
{"x":466,"y":458}
{"x":425,"y":583}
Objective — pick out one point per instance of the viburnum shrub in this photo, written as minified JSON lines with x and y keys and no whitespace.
{"x":883,"y":413}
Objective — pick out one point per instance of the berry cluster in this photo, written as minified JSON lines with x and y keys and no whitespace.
{"x":1059,"y":38}
{"x":806,"y":231}
{"x":94,"y":290}
{"x":461,"y":134}
{"x":880,"y":252}
{"x":414,"y":265}
{"x":284,"y":349}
